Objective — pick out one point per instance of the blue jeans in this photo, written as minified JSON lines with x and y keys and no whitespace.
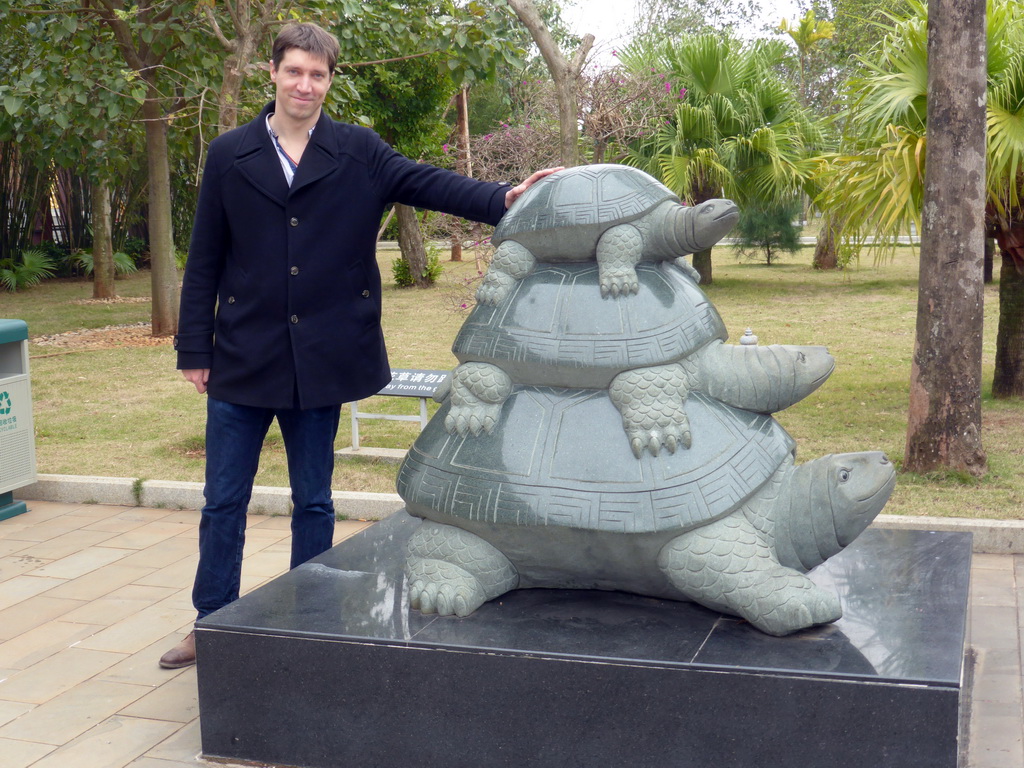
{"x":234,"y":439}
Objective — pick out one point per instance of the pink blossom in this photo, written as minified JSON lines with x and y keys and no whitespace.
{"x":668,"y":87}
{"x":444,"y":148}
{"x":682,"y":93}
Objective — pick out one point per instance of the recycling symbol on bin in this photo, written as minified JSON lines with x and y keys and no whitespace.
{"x":5,"y":403}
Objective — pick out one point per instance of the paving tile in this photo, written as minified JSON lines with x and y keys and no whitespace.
{"x":45,"y":531}
{"x":99,"y":582}
{"x":162,"y":554}
{"x":152,"y":762}
{"x":142,"y":668}
{"x":134,"y":633}
{"x":95,"y":511}
{"x":15,"y":565}
{"x":190,"y":516}
{"x":41,"y":511}
{"x":127,"y":520}
{"x":176,"y":700}
{"x":147,"y":535}
{"x":66,"y":544}
{"x":184,"y":746}
{"x":998,"y":562}
{"x":9,"y":710}
{"x":21,"y":754}
{"x":996,"y":743}
{"x":265,"y":564}
{"x":273,"y":522}
{"x":111,"y":744}
{"x":997,"y":688}
{"x":33,"y":646}
{"x":13,"y":546}
{"x":995,"y":627}
{"x":80,"y":563}
{"x":32,"y":612}
{"x":998,"y":661}
{"x":56,"y":674}
{"x":72,"y":713}
{"x":107,"y":611}
{"x":176,"y":575}
{"x":991,"y":586}
{"x":180,"y":599}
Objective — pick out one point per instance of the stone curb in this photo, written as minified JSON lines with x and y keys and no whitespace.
{"x":1001,"y":537}
{"x":170,"y":494}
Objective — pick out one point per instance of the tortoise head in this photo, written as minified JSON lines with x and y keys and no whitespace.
{"x":697,"y":228}
{"x":859,"y":485}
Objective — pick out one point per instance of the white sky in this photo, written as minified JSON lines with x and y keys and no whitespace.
{"x":609,"y":20}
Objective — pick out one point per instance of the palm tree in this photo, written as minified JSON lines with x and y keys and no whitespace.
{"x":878,"y":181}
{"x":738,"y":130}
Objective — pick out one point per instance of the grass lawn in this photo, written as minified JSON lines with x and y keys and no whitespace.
{"x":126,"y":412}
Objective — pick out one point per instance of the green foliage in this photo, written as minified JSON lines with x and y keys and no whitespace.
{"x":30,"y":270}
{"x":123,"y":263}
{"x":765,"y":230}
{"x":739,"y":127}
{"x":877,"y":180}
{"x":403,"y":274}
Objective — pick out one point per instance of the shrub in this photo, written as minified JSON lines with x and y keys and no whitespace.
{"x":766,"y":229}
{"x":404,"y":277}
{"x":123,"y":263}
{"x":31,"y":270}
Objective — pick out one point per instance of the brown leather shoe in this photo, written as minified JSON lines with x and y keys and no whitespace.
{"x":181,"y":655}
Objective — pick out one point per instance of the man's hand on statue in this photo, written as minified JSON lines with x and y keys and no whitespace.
{"x":514,"y":192}
{"x":198,"y":376}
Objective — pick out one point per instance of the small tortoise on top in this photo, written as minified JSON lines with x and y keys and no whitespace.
{"x":615,"y":213}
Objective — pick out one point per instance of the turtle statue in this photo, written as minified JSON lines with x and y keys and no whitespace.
{"x":547,"y":499}
{"x":616,"y":214}
{"x":650,"y":349}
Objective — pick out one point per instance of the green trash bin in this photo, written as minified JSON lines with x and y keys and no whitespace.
{"x":17,"y":436}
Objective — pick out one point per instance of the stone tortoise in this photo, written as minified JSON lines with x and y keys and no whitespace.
{"x":615,"y":214}
{"x":543,"y":500}
{"x":651,"y":349}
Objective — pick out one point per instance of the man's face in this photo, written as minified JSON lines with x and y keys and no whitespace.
{"x":302,"y":81}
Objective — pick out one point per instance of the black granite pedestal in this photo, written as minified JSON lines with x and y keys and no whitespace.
{"x":326,"y":667}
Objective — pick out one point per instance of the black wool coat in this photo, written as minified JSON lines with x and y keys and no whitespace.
{"x":281,"y":298}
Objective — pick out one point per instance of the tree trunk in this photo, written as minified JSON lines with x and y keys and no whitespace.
{"x":563,"y":73}
{"x":463,"y":160}
{"x":1009,"y":376}
{"x":410,"y":240}
{"x":702,"y":263}
{"x":164,"y":274}
{"x":102,"y":247}
{"x":826,"y":250}
{"x":990,"y":257}
{"x":944,"y":420}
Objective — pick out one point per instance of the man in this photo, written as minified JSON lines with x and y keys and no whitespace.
{"x":281,"y":300}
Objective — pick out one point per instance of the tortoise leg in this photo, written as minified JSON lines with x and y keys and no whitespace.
{"x":511,"y":262}
{"x":450,"y":570}
{"x":651,"y":402}
{"x":727,"y":566}
{"x":478,"y":391}
{"x":618,"y":252}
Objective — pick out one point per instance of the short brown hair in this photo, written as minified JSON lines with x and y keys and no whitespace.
{"x":307,"y":37}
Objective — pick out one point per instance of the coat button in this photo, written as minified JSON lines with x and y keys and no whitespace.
{"x":366,"y":294}
{"x":231,"y":299}
{"x":294,"y":221}
{"x":294,"y":319}
{"x":294,"y":270}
